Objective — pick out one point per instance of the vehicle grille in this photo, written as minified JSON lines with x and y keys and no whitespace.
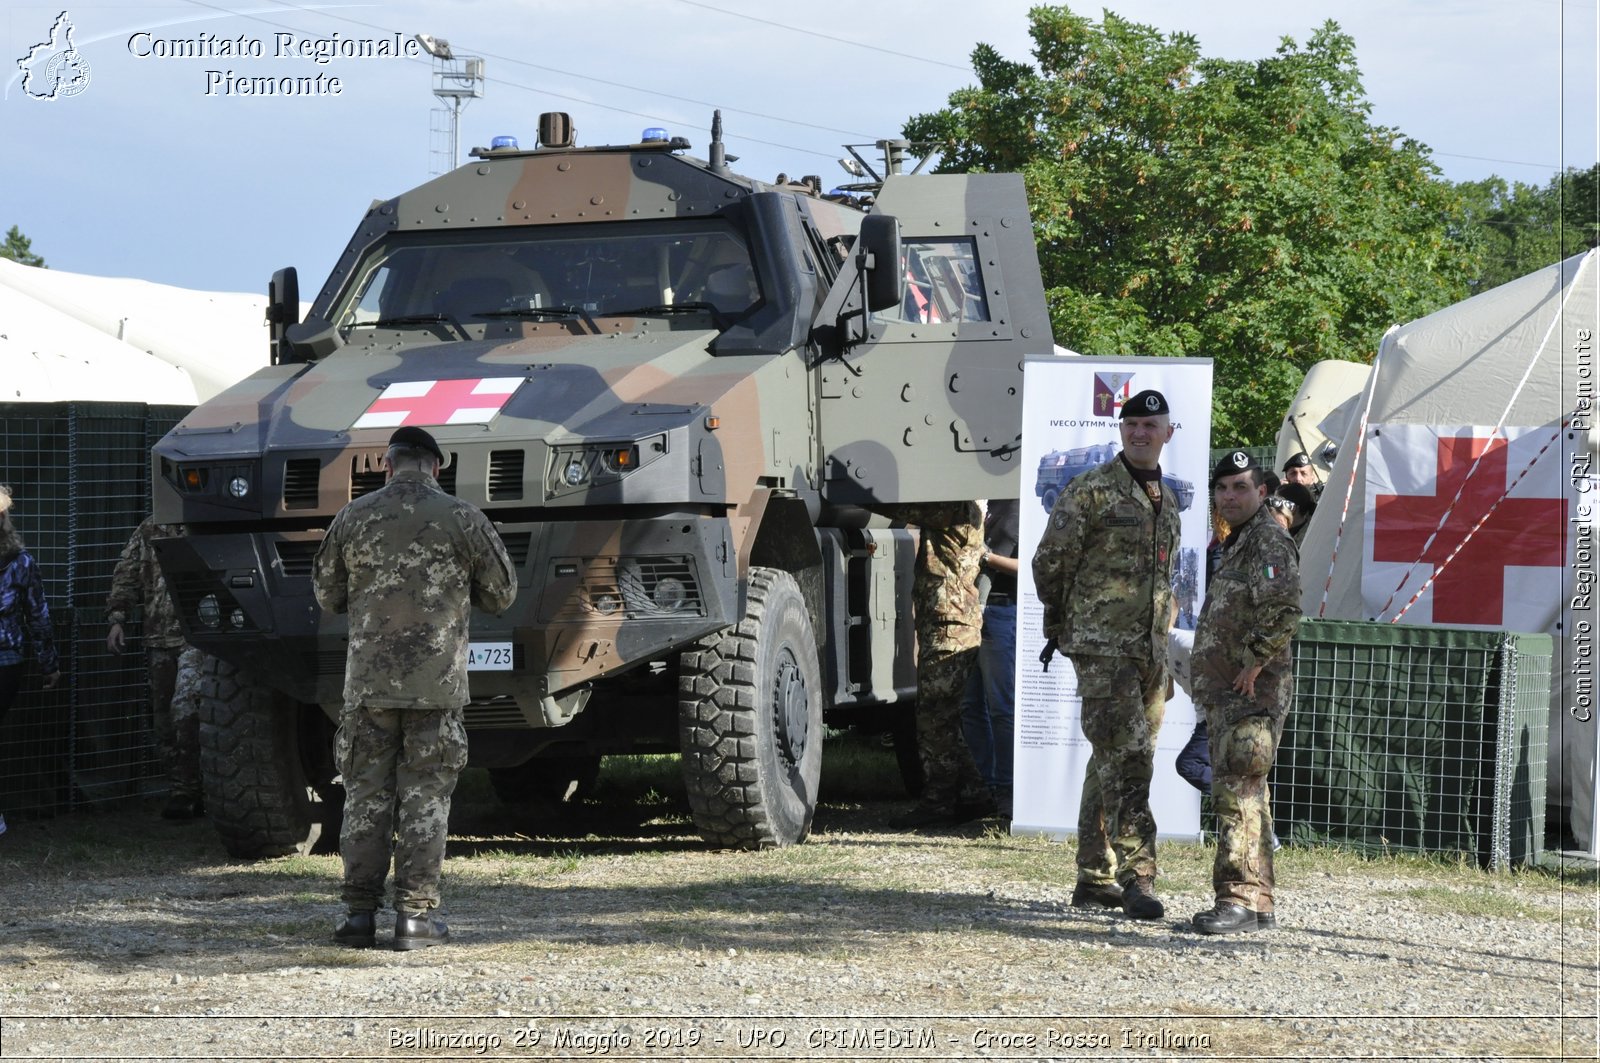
{"x":366,"y":474}
{"x":631,"y":588}
{"x":517,"y":545}
{"x":505,"y":474}
{"x":494,"y":713}
{"x":295,"y":555}
{"x":300,"y":481}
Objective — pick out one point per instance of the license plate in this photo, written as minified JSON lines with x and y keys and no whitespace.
{"x":489,"y":656}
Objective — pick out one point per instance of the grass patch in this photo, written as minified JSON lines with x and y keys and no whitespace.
{"x":1476,"y":901}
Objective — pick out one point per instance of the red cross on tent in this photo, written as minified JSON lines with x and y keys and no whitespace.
{"x":1521,"y":531}
{"x":473,"y":400}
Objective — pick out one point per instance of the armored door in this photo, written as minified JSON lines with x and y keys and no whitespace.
{"x":924,"y":401}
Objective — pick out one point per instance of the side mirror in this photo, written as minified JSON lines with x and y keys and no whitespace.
{"x":878,"y":255}
{"x":283,"y":310}
{"x":311,"y":339}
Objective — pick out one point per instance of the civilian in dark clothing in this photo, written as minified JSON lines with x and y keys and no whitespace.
{"x":24,"y":617}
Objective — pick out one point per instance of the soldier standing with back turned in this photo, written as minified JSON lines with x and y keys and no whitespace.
{"x":1103,"y":572}
{"x":407,"y":562}
{"x":137,"y":580}
{"x":944,"y":594}
{"x":1243,"y":678}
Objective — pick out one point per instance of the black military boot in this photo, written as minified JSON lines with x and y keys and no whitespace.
{"x":1097,"y":894}
{"x":356,"y":929}
{"x":1139,"y":900}
{"x":1226,"y":917}
{"x":418,"y":931}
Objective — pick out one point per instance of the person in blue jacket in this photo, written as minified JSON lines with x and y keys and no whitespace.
{"x":24,"y":616}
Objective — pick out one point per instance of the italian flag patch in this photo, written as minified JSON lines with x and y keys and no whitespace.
{"x":1271,"y":571}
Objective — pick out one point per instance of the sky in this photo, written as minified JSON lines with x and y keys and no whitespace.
{"x":157,"y":166}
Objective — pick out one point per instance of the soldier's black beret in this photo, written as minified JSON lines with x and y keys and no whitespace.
{"x":1232,"y":464}
{"x":1148,"y":403}
{"x":411,"y":436}
{"x":1296,"y":460}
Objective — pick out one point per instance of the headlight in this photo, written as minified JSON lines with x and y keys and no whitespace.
{"x":210,"y":611}
{"x":238,"y":487}
{"x":577,"y":472}
{"x":236,"y":619}
{"x":669,"y":594}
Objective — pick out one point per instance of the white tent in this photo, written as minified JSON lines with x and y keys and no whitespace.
{"x":1464,"y":492}
{"x":72,"y":337}
{"x":1319,"y":413}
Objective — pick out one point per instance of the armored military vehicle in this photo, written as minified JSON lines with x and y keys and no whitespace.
{"x":1059,"y":466}
{"x":675,"y":391}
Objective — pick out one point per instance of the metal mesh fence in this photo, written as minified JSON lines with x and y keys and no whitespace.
{"x":80,"y":474}
{"x":1416,"y":739}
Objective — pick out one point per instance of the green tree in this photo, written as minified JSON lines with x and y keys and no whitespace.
{"x":1520,"y":228}
{"x":1247,"y":211}
{"x":19,"y":248}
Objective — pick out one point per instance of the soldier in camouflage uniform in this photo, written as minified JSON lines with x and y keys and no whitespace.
{"x":1243,"y":679}
{"x":137,"y":580}
{"x":1103,"y":572}
{"x":407,"y":562}
{"x":944,"y":594}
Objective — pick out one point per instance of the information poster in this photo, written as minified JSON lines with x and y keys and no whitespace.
{"x":1070,"y":416}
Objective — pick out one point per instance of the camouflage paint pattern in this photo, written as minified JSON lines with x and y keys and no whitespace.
{"x":138,"y":580}
{"x":1242,"y":752}
{"x":1124,"y":699}
{"x":1251,"y":613}
{"x":406,"y":563}
{"x":754,"y":434}
{"x":1103,"y":569}
{"x":400,"y":768}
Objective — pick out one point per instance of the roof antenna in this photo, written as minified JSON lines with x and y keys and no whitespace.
{"x":719,"y":155}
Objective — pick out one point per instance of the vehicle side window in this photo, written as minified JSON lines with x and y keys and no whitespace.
{"x":944,"y":283}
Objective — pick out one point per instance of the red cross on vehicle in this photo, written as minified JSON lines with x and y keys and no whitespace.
{"x":474,"y":400}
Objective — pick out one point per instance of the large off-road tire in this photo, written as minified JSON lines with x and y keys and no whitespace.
{"x":546,"y":781}
{"x":266,"y":766}
{"x":1049,"y":498}
{"x":750,"y":721}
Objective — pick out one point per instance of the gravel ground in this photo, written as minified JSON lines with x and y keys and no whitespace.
{"x":122,"y":937}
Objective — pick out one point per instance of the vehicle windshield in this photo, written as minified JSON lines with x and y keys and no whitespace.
{"x":547,"y":272}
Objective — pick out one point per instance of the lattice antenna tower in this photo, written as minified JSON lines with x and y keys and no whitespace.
{"x":457,"y":80}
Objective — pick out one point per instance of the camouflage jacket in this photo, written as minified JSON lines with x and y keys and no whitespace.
{"x":137,"y":580}
{"x":1103,"y":570}
{"x":1251,"y":613}
{"x":944,"y":588}
{"x":408,"y":562}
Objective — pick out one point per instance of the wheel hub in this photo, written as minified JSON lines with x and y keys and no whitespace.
{"x":790,"y":705}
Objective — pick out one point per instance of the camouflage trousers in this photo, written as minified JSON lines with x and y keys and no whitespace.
{"x":174,"y":677}
{"x":1241,"y":757}
{"x":950,"y":775}
{"x":1124,"y":700}
{"x":400,"y":767}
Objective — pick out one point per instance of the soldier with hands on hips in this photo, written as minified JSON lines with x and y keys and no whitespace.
{"x":1243,"y":680}
{"x":1103,"y":571}
{"x":407,"y":563}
